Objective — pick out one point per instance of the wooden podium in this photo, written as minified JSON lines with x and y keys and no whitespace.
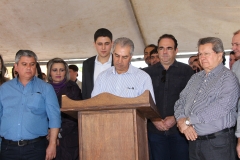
{"x":111,"y":127}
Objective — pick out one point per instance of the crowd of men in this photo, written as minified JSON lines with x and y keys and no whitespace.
{"x":197,"y":103}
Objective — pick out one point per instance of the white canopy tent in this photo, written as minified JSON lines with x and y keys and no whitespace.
{"x":65,"y":28}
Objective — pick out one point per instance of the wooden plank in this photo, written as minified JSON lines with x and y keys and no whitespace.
{"x":142,"y":140}
{"x":107,"y":135}
{"x":106,"y":101}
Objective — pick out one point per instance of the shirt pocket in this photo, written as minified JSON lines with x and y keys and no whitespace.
{"x":35,"y":103}
{"x":131,"y":92}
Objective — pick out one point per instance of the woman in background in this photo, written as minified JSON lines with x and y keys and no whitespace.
{"x":3,"y":71}
{"x":38,"y":71}
{"x":14,"y":73}
{"x":58,"y":77}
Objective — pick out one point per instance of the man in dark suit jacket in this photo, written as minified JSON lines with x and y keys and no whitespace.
{"x":96,"y":64}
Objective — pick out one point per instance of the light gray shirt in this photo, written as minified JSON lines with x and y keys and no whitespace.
{"x":236,"y":70}
{"x":210,"y":100}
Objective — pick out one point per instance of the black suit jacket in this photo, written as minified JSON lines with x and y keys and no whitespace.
{"x":88,"y":77}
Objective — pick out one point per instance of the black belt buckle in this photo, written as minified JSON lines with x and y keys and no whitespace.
{"x":22,"y":143}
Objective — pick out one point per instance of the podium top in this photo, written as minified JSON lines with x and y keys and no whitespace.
{"x":106,"y":101}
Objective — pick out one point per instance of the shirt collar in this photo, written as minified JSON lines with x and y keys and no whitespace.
{"x":18,"y":82}
{"x":175,"y":64}
{"x":130,"y":69}
{"x":216,"y":70}
{"x":109,"y":60}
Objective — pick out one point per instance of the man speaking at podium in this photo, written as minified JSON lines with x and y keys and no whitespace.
{"x":123,"y":79}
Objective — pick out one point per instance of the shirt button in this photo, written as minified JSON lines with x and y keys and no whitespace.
{"x":205,"y":80}
{"x":194,"y":101}
{"x":191,"y":113}
{"x":200,"y":91}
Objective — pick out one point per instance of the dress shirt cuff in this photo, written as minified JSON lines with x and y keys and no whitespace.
{"x":194,"y":119}
{"x":55,"y":123}
{"x":179,"y":117}
{"x":237,"y":134}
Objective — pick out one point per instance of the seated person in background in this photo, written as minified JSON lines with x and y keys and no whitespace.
{"x":232,"y":59}
{"x":147,"y":51}
{"x":58,"y":77}
{"x":73,"y":72}
{"x":154,"y":56}
{"x":196,"y":66}
{"x":191,"y":59}
{"x":123,"y":79}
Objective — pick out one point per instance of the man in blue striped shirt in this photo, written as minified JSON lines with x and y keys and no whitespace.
{"x":123,"y":79}
{"x":206,"y":111}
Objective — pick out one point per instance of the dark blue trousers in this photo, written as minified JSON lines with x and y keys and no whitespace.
{"x":33,"y":151}
{"x":168,"y":147}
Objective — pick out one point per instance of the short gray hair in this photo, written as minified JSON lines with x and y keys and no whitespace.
{"x":123,"y":42}
{"x":216,"y":43}
{"x":49,"y":67}
{"x":27,"y":53}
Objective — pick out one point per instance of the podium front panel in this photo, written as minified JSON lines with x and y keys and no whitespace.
{"x":112,"y":134}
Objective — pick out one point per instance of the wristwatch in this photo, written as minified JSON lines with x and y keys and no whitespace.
{"x":187,"y":122}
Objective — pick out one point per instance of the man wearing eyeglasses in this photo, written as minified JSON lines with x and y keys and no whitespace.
{"x":236,"y":70}
{"x":206,"y":111}
{"x":169,"y":78}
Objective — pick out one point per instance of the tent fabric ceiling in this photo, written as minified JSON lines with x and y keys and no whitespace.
{"x":61,"y":28}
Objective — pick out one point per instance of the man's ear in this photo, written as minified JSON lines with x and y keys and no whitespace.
{"x":220,"y":55}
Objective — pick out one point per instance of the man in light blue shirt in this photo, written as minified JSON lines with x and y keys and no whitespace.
{"x":28,"y":108}
{"x":123,"y":79}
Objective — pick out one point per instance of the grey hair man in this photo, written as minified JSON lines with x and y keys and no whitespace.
{"x":28,"y":108}
{"x":123,"y":79}
{"x":206,"y":111}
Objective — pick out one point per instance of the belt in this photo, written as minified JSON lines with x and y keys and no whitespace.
{"x":214,"y":135}
{"x":22,"y":142}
